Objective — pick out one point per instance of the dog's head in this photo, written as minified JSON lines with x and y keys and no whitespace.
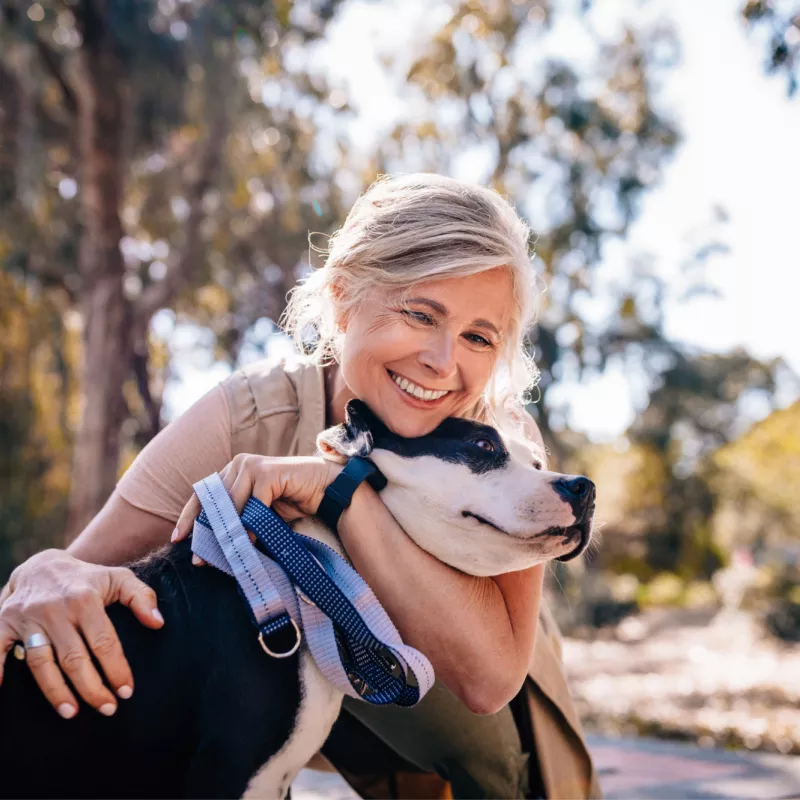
{"x":475,"y":499}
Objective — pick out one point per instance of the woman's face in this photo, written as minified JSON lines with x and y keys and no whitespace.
{"x":415,"y":364}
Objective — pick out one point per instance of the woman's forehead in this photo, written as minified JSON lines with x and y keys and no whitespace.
{"x":487,"y":296}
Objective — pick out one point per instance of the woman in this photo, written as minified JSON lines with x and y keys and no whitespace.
{"x":420,"y":310}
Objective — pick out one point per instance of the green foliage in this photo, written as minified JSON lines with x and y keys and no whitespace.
{"x":37,"y":410}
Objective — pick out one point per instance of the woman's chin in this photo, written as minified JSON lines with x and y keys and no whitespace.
{"x":411,"y":423}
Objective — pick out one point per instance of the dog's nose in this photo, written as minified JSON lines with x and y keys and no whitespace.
{"x":579,"y":492}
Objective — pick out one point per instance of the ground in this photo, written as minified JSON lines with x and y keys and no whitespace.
{"x":713,"y":679}
{"x":645,"y":769}
{"x":707,"y":677}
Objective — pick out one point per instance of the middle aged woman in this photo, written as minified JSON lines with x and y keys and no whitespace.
{"x":420,"y":310}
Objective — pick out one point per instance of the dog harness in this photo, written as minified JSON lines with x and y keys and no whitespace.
{"x":303,"y":587}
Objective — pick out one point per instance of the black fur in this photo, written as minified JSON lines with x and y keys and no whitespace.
{"x":208,"y":710}
{"x":455,"y":440}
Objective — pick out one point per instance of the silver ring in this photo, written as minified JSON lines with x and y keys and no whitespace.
{"x":37,"y":640}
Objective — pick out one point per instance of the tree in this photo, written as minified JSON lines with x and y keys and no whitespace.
{"x":694,"y":410}
{"x":38,"y":398}
{"x":574,"y":150}
{"x":779,"y":24}
{"x":145,"y":113}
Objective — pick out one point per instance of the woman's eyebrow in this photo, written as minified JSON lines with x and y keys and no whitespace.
{"x":440,"y":309}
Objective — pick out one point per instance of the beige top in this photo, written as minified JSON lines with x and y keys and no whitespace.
{"x":270,"y":410}
{"x":278,"y":410}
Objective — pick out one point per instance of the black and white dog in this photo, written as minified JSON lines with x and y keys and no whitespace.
{"x":212,"y":715}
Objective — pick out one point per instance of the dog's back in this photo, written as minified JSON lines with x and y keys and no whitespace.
{"x":196,"y":723}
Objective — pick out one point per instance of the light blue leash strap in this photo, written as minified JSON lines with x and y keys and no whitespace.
{"x":221,"y":540}
{"x":349,"y":635}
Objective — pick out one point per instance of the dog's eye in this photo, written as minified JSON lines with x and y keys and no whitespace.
{"x":485,"y":444}
{"x":538,"y":465}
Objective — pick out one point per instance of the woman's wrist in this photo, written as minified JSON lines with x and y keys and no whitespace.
{"x":339,"y":494}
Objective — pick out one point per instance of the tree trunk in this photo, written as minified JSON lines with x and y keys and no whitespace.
{"x":106,"y":311}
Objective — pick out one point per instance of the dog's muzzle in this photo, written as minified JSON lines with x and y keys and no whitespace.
{"x":580,"y":493}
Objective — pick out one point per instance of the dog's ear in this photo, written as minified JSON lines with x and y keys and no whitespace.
{"x":356,"y":437}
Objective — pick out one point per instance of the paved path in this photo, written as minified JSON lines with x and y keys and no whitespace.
{"x":651,"y":769}
{"x":646,"y":769}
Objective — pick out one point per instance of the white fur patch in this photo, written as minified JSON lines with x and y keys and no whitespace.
{"x":319,"y":707}
{"x":427,"y":497}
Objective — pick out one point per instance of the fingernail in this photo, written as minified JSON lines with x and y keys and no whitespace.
{"x":174,"y":537}
{"x":107,"y":709}
{"x":196,"y":560}
{"x":67,"y":711}
{"x":125,"y":692}
{"x":157,"y":615}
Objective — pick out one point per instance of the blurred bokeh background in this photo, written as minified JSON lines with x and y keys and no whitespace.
{"x":161,"y":167}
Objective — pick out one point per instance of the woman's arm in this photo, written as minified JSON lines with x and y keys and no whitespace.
{"x":477,"y":632}
{"x":64,"y":594}
{"x":140,"y":515}
{"x":120,"y":533}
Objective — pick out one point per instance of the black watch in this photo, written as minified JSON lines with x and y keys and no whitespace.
{"x":340,"y":493}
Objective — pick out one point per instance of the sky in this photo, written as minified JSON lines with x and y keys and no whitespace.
{"x":740,"y":152}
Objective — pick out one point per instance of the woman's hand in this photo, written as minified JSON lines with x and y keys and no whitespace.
{"x":292,"y":487}
{"x":64,"y":598}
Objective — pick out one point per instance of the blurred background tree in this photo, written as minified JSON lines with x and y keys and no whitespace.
{"x":777,"y":23}
{"x":169,"y":161}
{"x":161,"y":165}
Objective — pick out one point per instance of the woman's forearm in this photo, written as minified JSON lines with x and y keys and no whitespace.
{"x":459,"y":621}
{"x":120,"y":533}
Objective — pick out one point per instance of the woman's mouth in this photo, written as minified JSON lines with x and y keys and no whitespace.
{"x":418,"y":396}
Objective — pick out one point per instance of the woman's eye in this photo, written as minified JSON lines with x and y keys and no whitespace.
{"x":476,"y":338}
{"x":485,"y":444}
{"x":419,"y":316}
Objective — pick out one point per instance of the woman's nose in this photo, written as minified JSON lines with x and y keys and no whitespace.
{"x":440,"y":356}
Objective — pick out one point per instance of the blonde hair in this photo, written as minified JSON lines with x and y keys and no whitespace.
{"x":409,"y":229}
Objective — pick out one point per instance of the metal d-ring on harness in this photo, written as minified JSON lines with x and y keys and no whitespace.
{"x":304,"y":587}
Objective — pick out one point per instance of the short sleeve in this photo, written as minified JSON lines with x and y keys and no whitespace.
{"x":191,"y":447}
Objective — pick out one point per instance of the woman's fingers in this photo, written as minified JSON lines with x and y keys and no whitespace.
{"x":104,"y":643}
{"x":241,"y":489}
{"x":7,"y":638}
{"x":127,"y":589}
{"x":186,"y":520}
{"x":75,"y":662}
{"x":48,"y":676}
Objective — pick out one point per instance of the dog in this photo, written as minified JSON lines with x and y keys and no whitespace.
{"x":213,"y":715}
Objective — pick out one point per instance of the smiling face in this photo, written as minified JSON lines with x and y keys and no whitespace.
{"x":417,"y":362}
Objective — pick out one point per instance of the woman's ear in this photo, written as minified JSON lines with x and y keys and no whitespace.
{"x":338,"y":295}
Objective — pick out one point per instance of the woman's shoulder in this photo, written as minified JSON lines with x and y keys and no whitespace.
{"x":269,"y":385}
{"x":271,"y":392}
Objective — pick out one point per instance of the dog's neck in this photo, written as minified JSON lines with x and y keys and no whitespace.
{"x":315,"y":529}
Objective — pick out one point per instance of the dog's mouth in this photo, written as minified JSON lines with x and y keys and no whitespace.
{"x":580,"y":532}
{"x":483,"y":521}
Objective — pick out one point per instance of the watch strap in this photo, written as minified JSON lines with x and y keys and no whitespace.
{"x":339,"y":494}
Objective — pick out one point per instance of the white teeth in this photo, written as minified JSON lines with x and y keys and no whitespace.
{"x":417,"y":391}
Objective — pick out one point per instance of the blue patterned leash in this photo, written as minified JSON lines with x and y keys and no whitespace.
{"x":302,"y":585}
